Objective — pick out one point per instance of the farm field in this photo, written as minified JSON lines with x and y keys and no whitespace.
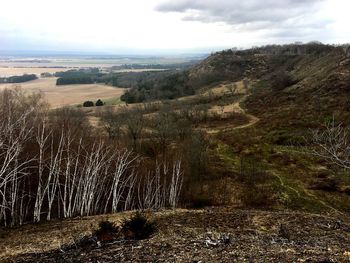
{"x":59,"y":96}
{"x":15,"y":71}
{"x":104,"y":61}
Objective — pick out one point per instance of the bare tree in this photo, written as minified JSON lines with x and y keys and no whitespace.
{"x":112,"y":123}
{"x":52,"y":168}
{"x":332,"y":143}
{"x":135,"y":122}
{"x":175,"y":184}
{"x":232,"y":88}
{"x":41,"y":139}
{"x":15,"y":131}
{"x":163,"y":130}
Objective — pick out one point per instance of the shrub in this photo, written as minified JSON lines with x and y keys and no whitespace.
{"x":201,"y":201}
{"x":88,"y":104}
{"x":107,"y":231}
{"x":258,"y":196}
{"x":138,"y":227}
{"x":281,"y":80}
{"x":328,"y":184}
{"x":252,"y":172}
{"x":99,"y":103}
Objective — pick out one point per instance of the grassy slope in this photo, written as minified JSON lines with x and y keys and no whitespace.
{"x":287,"y":115}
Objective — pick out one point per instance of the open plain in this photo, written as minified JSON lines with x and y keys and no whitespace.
{"x":59,"y":96}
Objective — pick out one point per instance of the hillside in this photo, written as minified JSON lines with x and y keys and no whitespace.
{"x":293,"y":90}
{"x":239,"y":123}
{"x":257,"y":109}
{"x":211,"y":235}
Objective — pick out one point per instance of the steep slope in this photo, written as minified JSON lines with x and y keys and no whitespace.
{"x":310,"y":77}
{"x":292,"y":90}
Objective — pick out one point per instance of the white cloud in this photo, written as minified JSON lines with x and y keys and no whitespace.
{"x":153,"y":25}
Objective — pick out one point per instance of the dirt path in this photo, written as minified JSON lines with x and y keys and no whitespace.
{"x":238,"y":109}
{"x":253,"y":119}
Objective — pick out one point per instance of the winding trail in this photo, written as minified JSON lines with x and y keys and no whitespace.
{"x":238,"y":109}
{"x":252,"y":119}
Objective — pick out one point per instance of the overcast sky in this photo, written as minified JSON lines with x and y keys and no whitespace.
{"x":154,"y":26}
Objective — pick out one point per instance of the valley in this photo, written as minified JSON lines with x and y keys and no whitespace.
{"x":234,"y":136}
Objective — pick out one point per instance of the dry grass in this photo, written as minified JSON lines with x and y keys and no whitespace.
{"x":224,"y":88}
{"x":48,"y":236}
{"x":59,"y":96}
{"x":39,"y":238}
{"x":188,"y":236}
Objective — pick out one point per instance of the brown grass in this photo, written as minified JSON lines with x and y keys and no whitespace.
{"x":59,"y":96}
{"x":43,"y":237}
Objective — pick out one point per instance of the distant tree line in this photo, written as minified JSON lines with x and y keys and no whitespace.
{"x":18,"y":79}
{"x":168,"y":86}
{"x":311,"y":48}
{"x":85,"y":77}
{"x":184,"y":65}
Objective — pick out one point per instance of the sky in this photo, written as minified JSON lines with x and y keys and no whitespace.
{"x":168,"y":26}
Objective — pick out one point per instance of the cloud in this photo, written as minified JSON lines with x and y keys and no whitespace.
{"x":251,"y":15}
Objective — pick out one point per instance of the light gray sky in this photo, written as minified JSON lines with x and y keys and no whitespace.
{"x":156,"y":26}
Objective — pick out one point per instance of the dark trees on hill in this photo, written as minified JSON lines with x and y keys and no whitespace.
{"x":86,"y":77}
{"x":88,"y":104}
{"x":281,"y":80}
{"x":19,"y":79}
{"x":99,"y":103}
{"x":164,"y":87}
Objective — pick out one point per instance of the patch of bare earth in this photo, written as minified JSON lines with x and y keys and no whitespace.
{"x":222,"y":235}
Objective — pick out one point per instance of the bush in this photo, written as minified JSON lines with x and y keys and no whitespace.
{"x":99,"y":103}
{"x":281,"y":80}
{"x":138,"y":227}
{"x":252,"y":172}
{"x":328,"y":184}
{"x":88,"y":104}
{"x":258,"y":196}
{"x":107,"y":231}
{"x":201,"y":201}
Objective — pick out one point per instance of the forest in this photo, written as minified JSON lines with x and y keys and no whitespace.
{"x":55,"y":165}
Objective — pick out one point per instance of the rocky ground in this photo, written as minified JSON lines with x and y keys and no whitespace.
{"x":223,"y":235}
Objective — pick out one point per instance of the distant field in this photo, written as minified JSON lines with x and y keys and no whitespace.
{"x":59,"y":96}
{"x":76,"y":61}
{"x":16,"y":71}
{"x":11,"y":71}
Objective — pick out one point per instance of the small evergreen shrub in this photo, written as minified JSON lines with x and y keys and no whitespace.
{"x":88,"y":104}
{"x":99,"y":103}
{"x":107,"y":231}
{"x":138,"y":227}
